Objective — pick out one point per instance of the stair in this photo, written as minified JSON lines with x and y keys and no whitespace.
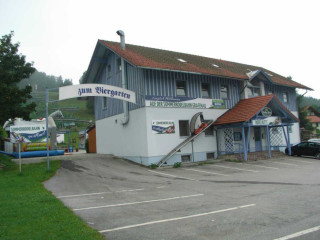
{"x":181,"y":145}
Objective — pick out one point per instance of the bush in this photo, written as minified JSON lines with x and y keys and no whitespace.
{"x":87,"y":145}
{"x":177,"y":164}
{"x":3,"y":134}
{"x":153,"y":166}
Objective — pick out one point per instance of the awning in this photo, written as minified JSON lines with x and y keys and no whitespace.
{"x":247,"y":109}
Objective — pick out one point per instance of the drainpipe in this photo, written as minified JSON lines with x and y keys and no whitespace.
{"x":125,"y":118}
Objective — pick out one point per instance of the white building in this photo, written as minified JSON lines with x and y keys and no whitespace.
{"x":253,"y":109}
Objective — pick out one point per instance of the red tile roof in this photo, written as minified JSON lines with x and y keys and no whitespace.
{"x":314,"y":119}
{"x":245,"y":109}
{"x":167,"y":60}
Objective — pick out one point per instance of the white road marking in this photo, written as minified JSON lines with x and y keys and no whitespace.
{"x":206,"y":172}
{"x":303,"y":161}
{"x":175,"y":219}
{"x":170,"y":175}
{"x":241,"y":169}
{"x":289,"y":164}
{"x":134,"y":203}
{"x":310,"y":230}
{"x":251,"y":164}
{"x":99,"y":193}
{"x":161,"y":187}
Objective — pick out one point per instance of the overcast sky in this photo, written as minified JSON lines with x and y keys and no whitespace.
{"x":59,"y":36}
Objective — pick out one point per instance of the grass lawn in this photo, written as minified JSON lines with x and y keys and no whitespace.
{"x":29,"y":211}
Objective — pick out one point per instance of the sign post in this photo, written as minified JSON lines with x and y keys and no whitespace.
{"x":28,"y":134}
{"x":18,"y":139}
{"x":19,"y":143}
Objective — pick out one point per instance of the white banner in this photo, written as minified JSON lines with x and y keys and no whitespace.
{"x":176,"y":102}
{"x":96,"y":90}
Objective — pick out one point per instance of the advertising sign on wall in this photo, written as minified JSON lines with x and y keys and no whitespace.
{"x":176,"y":102}
{"x":267,"y":121}
{"x":163,"y":127}
{"x":28,"y":133}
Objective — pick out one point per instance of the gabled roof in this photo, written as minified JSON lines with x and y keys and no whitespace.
{"x":146,"y":57}
{"x":246,"y":109}
{"x":312,"y":109}
{"x":313,"y":119}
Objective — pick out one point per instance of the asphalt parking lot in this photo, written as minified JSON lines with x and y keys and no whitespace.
{"x":266,"y":199}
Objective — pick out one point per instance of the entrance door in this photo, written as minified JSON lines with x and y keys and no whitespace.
{"x":257,"y":139}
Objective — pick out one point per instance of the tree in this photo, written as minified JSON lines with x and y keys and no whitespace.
{"x":14,"y":68}
{"x":304,"y":121}
{"x":82,"y":77}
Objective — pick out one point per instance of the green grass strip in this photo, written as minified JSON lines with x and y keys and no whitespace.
{"x":29,"y":211}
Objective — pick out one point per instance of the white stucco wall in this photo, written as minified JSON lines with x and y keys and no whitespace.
{"x":137,"y":142}
{"x":123,"y":140}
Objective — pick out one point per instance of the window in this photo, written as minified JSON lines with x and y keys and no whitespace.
{"x":224,"y":92}
{"x":181,"y":60}
{"x":119,"y":64}
{"x":185,"y":158}
{"x":181,"y":88}
{"x":105,"y":102}
{"x":209,"y":131}
{"x":205,"y":90}
{"x":109,"y":71}
{"x":184,"y":128}
{"x":210,"y":155}
{"x":255,"y":92}
{"x":285,"y":97}
{"x":237,"y":136}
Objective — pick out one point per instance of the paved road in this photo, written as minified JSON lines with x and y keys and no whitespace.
{"x":267,"y":199}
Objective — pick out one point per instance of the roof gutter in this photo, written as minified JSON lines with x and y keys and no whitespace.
{"x":125,"y":118}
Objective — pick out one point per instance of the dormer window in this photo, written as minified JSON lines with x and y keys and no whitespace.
{"x":255,"y":92}
{"x":181,"y":60}
{"x":254,"y":89}
{"x":215,"y":65}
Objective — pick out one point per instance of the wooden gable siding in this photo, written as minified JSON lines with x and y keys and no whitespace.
{"x":135,"y":84}
{"x":163,"y":83}
{"x":278,"y":92}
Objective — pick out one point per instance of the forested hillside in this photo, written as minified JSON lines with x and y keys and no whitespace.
{"x":39,"y":81}
{"x":310,"y":101}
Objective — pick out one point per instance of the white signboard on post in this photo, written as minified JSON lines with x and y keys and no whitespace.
{"x":96,"y":90}
{"x":28,"y":133}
